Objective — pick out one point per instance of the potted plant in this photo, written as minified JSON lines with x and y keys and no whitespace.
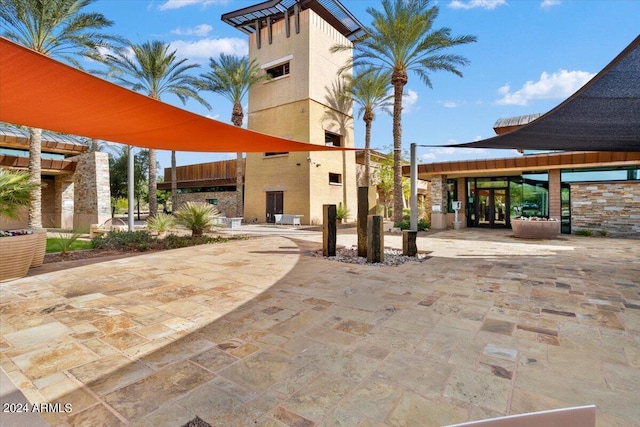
{"x":535,"y":227}
{"x":22,"y":248}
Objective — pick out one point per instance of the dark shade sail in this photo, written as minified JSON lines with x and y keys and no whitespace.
{"x":604,"y":115}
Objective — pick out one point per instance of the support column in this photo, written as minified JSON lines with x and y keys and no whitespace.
{"x":555,"y":194}
{"x":92,"y":193}
{"x":439,"y":202}
{"x":329,"y":230}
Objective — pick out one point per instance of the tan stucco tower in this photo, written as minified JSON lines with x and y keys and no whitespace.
{"x":291,"y":41}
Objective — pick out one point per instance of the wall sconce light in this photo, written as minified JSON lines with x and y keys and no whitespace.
{"x":317,"y":165}
{"x":297,"y":164}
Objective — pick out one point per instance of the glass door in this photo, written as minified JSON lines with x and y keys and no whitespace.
{"x":492,"y":207}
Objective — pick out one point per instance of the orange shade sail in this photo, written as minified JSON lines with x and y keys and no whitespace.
{"x":38,"y":91}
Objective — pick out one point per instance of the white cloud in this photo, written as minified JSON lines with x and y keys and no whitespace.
{"x":449,"y":104}
{"x":546,"y":4}
{"x":214,"y":117}
{"x":409,"y":99}
{"x":201,"y":30}
{"x":558,"y":85}
{"x":428,"y":156}
{"x":200,"y":51}
{"x":178,"y":4}
{"x":472,"y":4}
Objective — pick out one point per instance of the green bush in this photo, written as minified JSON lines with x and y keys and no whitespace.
{"x":161,"y":222}
{"x":197,"y":217}
{"x":603,"y":233}
{"x":124,"y":240}
{"x":405,"y":224}
{"x":66,"y":242}
{"x":341,"y":212}
{"x":584,"y":232}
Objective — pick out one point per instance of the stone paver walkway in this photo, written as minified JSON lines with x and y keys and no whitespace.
{"x":258,"y":332}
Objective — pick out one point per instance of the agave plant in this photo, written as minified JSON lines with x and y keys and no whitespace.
{"x":161,"y":223}
{"x":15,"y":192}
{"x":197,"y":217}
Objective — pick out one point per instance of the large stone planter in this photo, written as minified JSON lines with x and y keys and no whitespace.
{"x":17,"y":255}
{"x":524,"y":229}
{"x":40,"y":247}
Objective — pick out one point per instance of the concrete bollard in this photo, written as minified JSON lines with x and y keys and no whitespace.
{"x":375,"y":239}
{"x":409,"y":246}
{"x":363,"y":213}
{"x":329,"y":230}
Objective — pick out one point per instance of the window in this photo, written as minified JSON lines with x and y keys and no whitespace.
{"x":335,"y":178}
{"x":276,"y":153}
{"x":278,"y":71}
{"x":332,"y":139}
{"x":452,"y":194}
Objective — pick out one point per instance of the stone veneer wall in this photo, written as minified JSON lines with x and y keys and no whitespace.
{"x":610,"y":206}
{"x":439,"y":192}
{"x":92,"y":193}
{"x":226,"y":201}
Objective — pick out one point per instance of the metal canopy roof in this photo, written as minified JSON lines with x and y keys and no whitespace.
{"x":604,"y":115}
{"x":331,"y":11}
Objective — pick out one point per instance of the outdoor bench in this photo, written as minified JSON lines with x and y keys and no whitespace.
{"x":284,"y":219}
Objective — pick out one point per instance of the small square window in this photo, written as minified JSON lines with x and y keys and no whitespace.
{"x":278,"y":70}
{"x":335,"y":178}
{"x":332,"y":139}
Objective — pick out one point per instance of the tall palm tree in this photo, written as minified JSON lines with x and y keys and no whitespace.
{"x":151,"y":68}
{"x":370,"y":89}
{"x":231,"y":77}
{"x":60,"y":29}
{"x":401,"y":38}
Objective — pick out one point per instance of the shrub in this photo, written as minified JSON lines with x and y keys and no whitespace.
{"x":405,"y":224}
{"x":15,"y":191}
{"x":341,"y":212}
{"x":161,"y":222}
{"x":584,"y":232}
{"x":68,"y":242}
{"x":197,"y":217}
{"x":603,"y":233}
{"x":124,"y":240}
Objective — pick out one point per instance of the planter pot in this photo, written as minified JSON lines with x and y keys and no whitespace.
{"x":18,"y":252}
{"x":40,"y":247}
{"x":535,"y":229}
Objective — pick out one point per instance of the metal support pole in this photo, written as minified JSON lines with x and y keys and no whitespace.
{"x":414,"y":188}
{"x":130,"y":179}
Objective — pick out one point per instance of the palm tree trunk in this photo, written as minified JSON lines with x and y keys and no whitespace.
{"x":367,"y":150}
{"x":174,"y":183}
{"x":153,"y":183}
{"x":398,"y":80}
{"x":236,"y":118}
{"x":35,"y":171}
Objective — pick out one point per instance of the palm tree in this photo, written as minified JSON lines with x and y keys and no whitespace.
{"x":370,"y":89}
{"x":402,"y":39}
{"x":58,"y":29}
{"x":151,"y":68}
{"x":231,"y":77}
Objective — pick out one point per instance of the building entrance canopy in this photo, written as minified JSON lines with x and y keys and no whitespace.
{"x":604,"y":115}
{"x":38,"y":91}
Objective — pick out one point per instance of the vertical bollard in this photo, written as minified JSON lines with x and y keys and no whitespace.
{"x":409,"y":246}
{"x":329,"y":230}
{"x":363,"y":213}
{"x":375,"y":239}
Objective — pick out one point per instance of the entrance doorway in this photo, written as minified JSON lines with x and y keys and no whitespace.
{"x":274,"y":205}
{"x":492,"y":207}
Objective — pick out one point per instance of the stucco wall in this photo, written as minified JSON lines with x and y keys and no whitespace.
{"x":610,"y":206}
{"x":296,"y":107}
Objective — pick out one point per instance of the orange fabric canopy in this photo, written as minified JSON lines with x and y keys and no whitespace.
{"x":38,"y":91}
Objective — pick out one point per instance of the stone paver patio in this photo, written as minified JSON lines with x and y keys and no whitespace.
{"x":258,"y":332}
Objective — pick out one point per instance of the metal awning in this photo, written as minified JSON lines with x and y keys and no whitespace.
{"x":250,"y":18}
{"x":604,"y":115}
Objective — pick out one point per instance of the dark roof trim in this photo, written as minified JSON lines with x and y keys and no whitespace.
{"x":331,"y":11}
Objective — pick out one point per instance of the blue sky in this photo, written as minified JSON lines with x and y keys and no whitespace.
{"x":529,"y":57}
